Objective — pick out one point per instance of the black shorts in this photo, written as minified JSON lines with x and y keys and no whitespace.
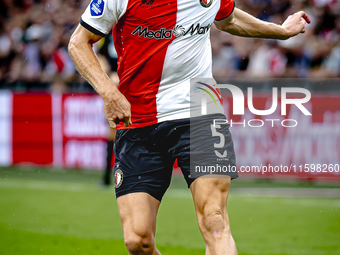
{"x":144,"y":157}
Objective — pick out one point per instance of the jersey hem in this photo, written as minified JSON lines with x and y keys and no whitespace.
{"x":91,"y":29}
{"x":184,"y":115}
{"x":137,"y":125}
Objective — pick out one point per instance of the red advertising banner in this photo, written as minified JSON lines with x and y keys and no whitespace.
{"x":70,"y":131}
{"x":32,"y":129}
{"x":84,"y":132}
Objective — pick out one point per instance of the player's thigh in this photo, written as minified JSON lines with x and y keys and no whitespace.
{"x":210,"y":193}
{"x":206,"y":151}
{"x":212,"y":162}
{"x":141,"y":164}
{"x":138,"y":212}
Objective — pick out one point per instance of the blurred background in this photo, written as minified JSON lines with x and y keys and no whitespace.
{"x":34,"y":35}
{"x":54,"y":138}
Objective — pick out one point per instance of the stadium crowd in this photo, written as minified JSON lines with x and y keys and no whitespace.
{"x":34,"y":35}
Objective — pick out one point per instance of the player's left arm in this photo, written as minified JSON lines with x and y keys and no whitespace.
{"x":243,"y":24}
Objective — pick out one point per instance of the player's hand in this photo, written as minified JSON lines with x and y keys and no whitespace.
{"x":116,"y":107}
{"x":295,"y":24}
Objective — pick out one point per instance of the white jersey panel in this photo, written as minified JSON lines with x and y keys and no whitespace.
{"x":188,"y":56}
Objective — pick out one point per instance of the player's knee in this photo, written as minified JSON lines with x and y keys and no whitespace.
{"x":213,"y":222}
{"x":139,"y":243}
{"x":212,"y":218}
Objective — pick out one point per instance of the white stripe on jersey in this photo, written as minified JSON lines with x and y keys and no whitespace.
{"x":187,"y":57}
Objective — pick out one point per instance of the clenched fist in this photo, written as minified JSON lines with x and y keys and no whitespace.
{"x":116,"y":107}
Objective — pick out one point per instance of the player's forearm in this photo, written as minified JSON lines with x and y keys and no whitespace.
{"x":245,"y":25}
{"x":88,"y":64}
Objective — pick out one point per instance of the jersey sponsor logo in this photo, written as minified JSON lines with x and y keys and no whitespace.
{"x":97,"y":8}
{"x":206,"y":3}
{"x":177,"y":31}
{"x":159,"y":34}
{"x":146,"y":2}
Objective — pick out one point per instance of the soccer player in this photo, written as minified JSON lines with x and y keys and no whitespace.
{"x":161,"y":46}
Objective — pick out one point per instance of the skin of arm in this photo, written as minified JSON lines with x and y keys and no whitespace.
{"x":87,"y":63}
{"x":243,"y":24}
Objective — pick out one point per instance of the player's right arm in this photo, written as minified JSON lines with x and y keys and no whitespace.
{"x":96,"y":22}
{"x":87,"y":63}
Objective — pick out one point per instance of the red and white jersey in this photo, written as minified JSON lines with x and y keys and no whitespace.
{"x":161,"y":45}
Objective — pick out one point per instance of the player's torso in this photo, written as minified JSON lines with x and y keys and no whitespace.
{"x":161,"y":45}
{"x":150,"y":25}
{"x":153,"y":19}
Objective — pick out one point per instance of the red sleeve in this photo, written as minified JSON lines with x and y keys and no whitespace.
{"x":227,"y":7}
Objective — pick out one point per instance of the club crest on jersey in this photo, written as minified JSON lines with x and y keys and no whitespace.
{"x":97,"y":8}
{"x":118,"y":178}
{"x":206,"y":3}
